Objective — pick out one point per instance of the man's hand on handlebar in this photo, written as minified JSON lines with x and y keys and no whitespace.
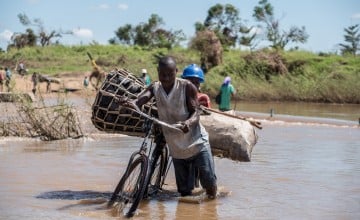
{"x":183,"y":125}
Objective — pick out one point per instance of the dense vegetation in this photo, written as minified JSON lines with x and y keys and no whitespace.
{"x":262,"y":75}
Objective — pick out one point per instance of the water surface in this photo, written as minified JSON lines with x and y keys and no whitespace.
{"x":298,"y":171}
{"x":302,"y":168}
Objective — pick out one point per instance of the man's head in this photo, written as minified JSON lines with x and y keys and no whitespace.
{"x":167,"y":71}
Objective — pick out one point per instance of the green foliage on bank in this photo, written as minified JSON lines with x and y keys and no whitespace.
{"x":302,"y":76}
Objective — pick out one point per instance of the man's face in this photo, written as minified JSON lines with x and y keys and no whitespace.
{"x":195,"y":81}
{"x":167,"y":75}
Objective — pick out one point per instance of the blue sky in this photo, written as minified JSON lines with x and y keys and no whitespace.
{"x":97,"y":20}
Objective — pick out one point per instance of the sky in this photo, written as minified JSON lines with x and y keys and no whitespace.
{"x":97,"y":20}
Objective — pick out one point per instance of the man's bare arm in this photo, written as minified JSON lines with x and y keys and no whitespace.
{"x":145,"y":96}
{"x":193,"y":108}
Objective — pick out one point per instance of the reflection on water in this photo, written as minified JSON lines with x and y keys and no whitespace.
{"x":73,"y":195}
{"x":349,"y":112}
{"x":298,"y":171}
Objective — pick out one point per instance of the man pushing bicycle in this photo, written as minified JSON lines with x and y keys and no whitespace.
{"x":177,"y":103}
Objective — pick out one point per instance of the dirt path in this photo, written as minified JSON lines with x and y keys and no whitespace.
{"x":69,"y":81}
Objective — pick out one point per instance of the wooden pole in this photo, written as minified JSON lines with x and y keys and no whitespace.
{"x":252,"y":122}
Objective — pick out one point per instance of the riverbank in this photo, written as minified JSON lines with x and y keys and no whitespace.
{"x":305,"y":76}
{"x":283,"y":113}
{"x":70,"y":89}
{"x":73,"y":83}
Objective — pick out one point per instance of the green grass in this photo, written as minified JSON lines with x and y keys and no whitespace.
{"x":311,"y":77}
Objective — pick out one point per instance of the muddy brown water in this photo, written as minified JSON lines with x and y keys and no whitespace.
{"x":298,"y":171}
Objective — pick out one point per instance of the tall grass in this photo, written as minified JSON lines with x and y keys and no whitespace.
{"x":310,"y":77}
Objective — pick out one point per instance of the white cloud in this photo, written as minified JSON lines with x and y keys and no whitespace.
{"x":83,"y":33}
{"x":256,"y":30}
{"x":104,"y":6}
{"x":356,"y":16}
{"x":6,"y":35}
{"x":122,"y":6}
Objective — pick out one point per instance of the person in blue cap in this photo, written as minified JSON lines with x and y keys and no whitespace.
{"x":195,"y":74}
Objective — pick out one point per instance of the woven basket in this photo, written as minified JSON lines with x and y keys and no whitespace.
{"x":109,"y":116}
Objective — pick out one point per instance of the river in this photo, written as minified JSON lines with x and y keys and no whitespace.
{"x":303,"y":168}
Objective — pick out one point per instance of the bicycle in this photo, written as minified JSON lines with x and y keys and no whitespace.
{"x":146,"y":170}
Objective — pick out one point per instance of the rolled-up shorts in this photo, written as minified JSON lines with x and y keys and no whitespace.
{"x":184,"y":171}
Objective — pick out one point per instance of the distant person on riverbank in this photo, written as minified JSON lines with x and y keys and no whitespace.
{"x":86,"y":82}
{"x":145,"y":77}
{"x":2,"y":78}
{"x":96,"y":73}
{"x":37,"y":78}
{"x":21,"y":69}
{"x":35,"y":81}
{"x":7,"y":78}
{"x":195,"y":74}
{"x":227,"y":91}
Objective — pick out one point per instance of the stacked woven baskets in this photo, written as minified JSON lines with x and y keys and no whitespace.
{"x":109,"y":116}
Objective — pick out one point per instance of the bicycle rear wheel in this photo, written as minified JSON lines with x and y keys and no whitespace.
{"x":131,"y":188}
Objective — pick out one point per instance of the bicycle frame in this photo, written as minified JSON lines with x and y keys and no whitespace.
{"x":159,"y":164}
{"x":148,"y":125}
{"x":129,"y":194}
{"x":143,"y":165}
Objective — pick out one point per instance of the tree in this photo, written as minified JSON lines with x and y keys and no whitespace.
{"x":224,"y":20}
{"x":44,"y":37}
{"x":264,"y":13}
{"x":210,"y":48}
{"x":149,"y":34}
{"x":249,"y":35}
{"x":352,"y":37}
{"x":20,"y":40}
{"x":124,"y":34}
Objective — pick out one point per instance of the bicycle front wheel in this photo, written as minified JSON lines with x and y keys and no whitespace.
{"x":131,"y":188}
